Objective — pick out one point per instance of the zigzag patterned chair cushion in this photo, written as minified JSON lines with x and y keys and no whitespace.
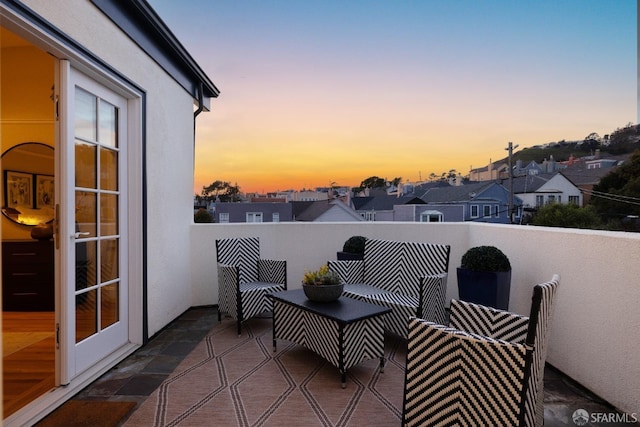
{"x":456,"y":378}
{"x":245,"y":280}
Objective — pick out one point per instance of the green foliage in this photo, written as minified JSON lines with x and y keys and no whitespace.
{"x":354,"y":245}
{"x":323,"y":276}
{"x":617,"y":194}
{"x":567,"y":216}
{"x":624,"y":140}
{"x":202,"y":216}
{"x":485,"y":258}
{"x":222,"y":191}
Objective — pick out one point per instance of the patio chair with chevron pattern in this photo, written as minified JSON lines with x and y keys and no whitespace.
{"x":449,"y":372}
{"x":245,"y":280}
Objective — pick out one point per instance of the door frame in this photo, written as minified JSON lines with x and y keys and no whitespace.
{"x":22,"y":21}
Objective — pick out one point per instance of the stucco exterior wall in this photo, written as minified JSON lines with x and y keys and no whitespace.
{"x":593,"y":338}
{"x":169,"y":152}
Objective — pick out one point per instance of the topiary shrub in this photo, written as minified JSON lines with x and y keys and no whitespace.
{"x":202,"y":216}
{"x":485,"y":258}
{"x":354,"y":245}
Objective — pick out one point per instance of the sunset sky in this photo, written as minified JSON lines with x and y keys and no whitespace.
{"x":321,"y":92}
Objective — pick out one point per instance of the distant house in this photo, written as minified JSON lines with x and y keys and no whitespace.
{"x":543,"y":189}
{"x":381,"y":208}
{"x":324,"y":210}
{"x":485,"y":201}
{"x":489,"y":172}
{"x":252,"y":212}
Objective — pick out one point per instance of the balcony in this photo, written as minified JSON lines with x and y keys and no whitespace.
{"x":594,"y":334}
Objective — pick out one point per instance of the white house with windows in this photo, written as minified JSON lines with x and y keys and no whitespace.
{"x":105,"y":88}
{"x":543,"y":189}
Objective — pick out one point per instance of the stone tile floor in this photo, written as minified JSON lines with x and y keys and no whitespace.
{"x":136,"y":377}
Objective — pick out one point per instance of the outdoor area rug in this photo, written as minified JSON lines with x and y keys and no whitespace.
{"x":229,"y":380}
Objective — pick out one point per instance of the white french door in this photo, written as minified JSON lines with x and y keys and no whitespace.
{"x":93,"y":228}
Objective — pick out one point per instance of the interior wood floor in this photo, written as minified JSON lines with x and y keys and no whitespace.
{"x":28,"y":357}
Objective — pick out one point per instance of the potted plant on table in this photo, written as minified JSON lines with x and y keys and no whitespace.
{"x":353,"y":249}
{"x":484,"y":277}
{"x":322,"y":285}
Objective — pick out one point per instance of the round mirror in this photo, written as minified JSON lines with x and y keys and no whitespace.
{"x":28,"y":190}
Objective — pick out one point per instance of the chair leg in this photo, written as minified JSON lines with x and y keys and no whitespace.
{"x":219,"y":315}
{"x":239,"y":328}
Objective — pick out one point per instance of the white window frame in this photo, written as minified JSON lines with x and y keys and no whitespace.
{"x":223,"y":217}
{"x":486,"y":211}
{"x":428,"y":216}
{"x":254,"y":216}
{"x":275,"y":217}
{"x":475,"y":211}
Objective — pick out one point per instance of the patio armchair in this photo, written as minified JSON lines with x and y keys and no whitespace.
{"x":456,"y":378}
{"x":408,"y":277}
{"x":245,"y":280}
{"x":431,"y":345}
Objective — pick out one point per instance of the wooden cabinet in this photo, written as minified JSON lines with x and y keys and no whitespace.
{"x":28,"y":279}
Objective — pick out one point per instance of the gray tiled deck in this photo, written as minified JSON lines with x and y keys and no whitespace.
{"x":135,"y":378}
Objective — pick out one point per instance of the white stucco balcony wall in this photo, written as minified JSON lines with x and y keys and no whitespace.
{"x":594,"y":335}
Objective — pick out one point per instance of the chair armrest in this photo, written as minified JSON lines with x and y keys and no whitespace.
{"x":488,"y":321}
{"x":351,"y":271}
{"x":228,"y":285}
{"x":433,"y":292}
{"x":272,"y":271}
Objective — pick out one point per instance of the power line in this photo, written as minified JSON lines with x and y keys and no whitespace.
{"x":614,"y":197}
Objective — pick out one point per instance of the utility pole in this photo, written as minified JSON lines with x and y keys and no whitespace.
{"x":510,"y":149}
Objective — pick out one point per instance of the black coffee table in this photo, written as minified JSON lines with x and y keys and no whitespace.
{"x":344,"y":332}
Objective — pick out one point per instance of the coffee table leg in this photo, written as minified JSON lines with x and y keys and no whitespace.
{"x":382,"y":364}
{"x":343,"y":379}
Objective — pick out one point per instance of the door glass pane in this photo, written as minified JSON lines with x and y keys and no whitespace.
{"x":108,"y":121}
{"x":86,"y":315}
{"x":86,"y":210}
{"x":85,"y":164}
{"x":109,"y":305}
{"x":108,"y":214}
{"x":85,"y":115}
{"x":108,"y":260}
{"x":85,"y":265}
{"x":108,"y":169}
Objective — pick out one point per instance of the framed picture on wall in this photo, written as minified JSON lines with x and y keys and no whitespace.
{"x":44,"y":191}
{"x":18,"y":189}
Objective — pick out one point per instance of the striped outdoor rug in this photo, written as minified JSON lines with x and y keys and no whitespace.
{"x":229,"y":381}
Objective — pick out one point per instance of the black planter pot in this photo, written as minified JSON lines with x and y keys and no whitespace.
{"x":348,"y":256}
{"x":490,"y":288}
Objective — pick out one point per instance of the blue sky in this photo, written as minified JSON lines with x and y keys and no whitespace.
{"x":315,"y":92}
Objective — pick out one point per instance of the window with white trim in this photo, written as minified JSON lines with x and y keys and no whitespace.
{"x":487,"y":211}
{"x":475,"y":211}
{"x":254,"y":216}
{"x":431,"y":216}
{"x":223,"y":217}
{"x":275,"y":217}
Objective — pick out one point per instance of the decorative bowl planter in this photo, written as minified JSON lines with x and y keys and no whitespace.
{"x":323,"y":293}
